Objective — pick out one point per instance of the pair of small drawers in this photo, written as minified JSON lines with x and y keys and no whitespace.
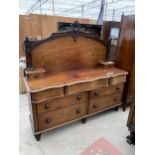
{"x":105,"y":97}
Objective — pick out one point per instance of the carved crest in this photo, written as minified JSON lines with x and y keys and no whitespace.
{"x":75,"y":29}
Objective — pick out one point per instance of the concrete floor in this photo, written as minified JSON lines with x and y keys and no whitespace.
{"x":74,"y":138}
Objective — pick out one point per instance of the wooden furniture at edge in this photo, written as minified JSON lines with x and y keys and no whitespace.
{"x":66,"y":80}
{"x":126,"y":56}
{"x":131,"y":124}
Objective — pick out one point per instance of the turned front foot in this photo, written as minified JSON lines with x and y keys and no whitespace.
{"x":131,"y":138}
{"x":124,"y":108}
{"x":84,"y":120}
{"x":37,"y":137}
{"x":116,"y":108}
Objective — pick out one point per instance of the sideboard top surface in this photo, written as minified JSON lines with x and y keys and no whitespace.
{"x":72,"y":77}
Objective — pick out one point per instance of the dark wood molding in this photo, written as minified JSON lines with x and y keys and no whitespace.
{"x":93,"y":28}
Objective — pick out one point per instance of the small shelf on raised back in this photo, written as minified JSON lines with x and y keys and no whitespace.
{"x":107,"y":64}
{"x":34,"y":73}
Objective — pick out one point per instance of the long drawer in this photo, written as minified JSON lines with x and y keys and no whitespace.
{"x":104,"y":102}
{"x":106,"y":90}
{"x":85,"y":86}
{"x":62,"y":102}
{"x":56,"y":117}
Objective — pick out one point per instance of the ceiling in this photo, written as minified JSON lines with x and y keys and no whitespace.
{"x":113,"y":9}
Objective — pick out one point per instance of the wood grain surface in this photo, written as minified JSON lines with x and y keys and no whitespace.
{"x":64,"y":54}
{"x":57,"y":103}
{"x":104,"y":91}
{"x":59,"y":116}
{"x":104,"y":102}
{"x":72,"y":77}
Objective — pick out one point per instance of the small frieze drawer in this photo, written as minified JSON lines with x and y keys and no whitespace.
{"x":117,"y":80}
{"x":43,"y":95}
{"x":104,"y":102}
{"x":56,"y":117}
{"x":57,"y":103}
{"x":85,"y":86}
{"x":106,"y":90}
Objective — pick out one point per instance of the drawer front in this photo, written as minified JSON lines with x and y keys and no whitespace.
{"x":104,"y":102}
{"x":106,"y":90}
{"x":86,"y":86}
{"x":43,"y":95}
{"x":117,"y":80}
{"x":62,"y":102}
{"x":54,"y":118}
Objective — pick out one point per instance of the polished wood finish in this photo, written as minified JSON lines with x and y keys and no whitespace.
{"x":85,"y":86}
{"x":73,"y":75}
{"x":33,"y":114}
{"x":43,"y":95}
{"x":58,"y":103}
{"x":73,"y":55}
{"x":104,"y":91}
{"x":104,"y":102}
{"x":35,"y":73}
{"x":126,"y":55}
{"x":117,"y":80}
{"x":69,"y":78}
{"x":107,"y":64}
{"x":62,"y":115}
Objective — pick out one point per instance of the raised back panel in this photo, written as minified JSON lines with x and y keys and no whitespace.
{"x":64,"y":54}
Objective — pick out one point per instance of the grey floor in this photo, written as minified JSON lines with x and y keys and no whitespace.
{"x":74,"y":138}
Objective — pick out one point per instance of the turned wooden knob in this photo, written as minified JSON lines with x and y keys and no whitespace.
{"x":47,"y":106}
{"x":48,"y":120}
{"x":94,"y":106}
{"x":115,"y":99}
{"x":79,"y":97}
{"x":96,"y":93}
{"x":117,"y":88}
{"x":78,"y":111}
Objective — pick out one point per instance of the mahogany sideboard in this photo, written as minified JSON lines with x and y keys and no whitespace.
{"x":67,"y":80}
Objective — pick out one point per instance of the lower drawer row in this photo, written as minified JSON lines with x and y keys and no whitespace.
{"x":59,"y":116}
